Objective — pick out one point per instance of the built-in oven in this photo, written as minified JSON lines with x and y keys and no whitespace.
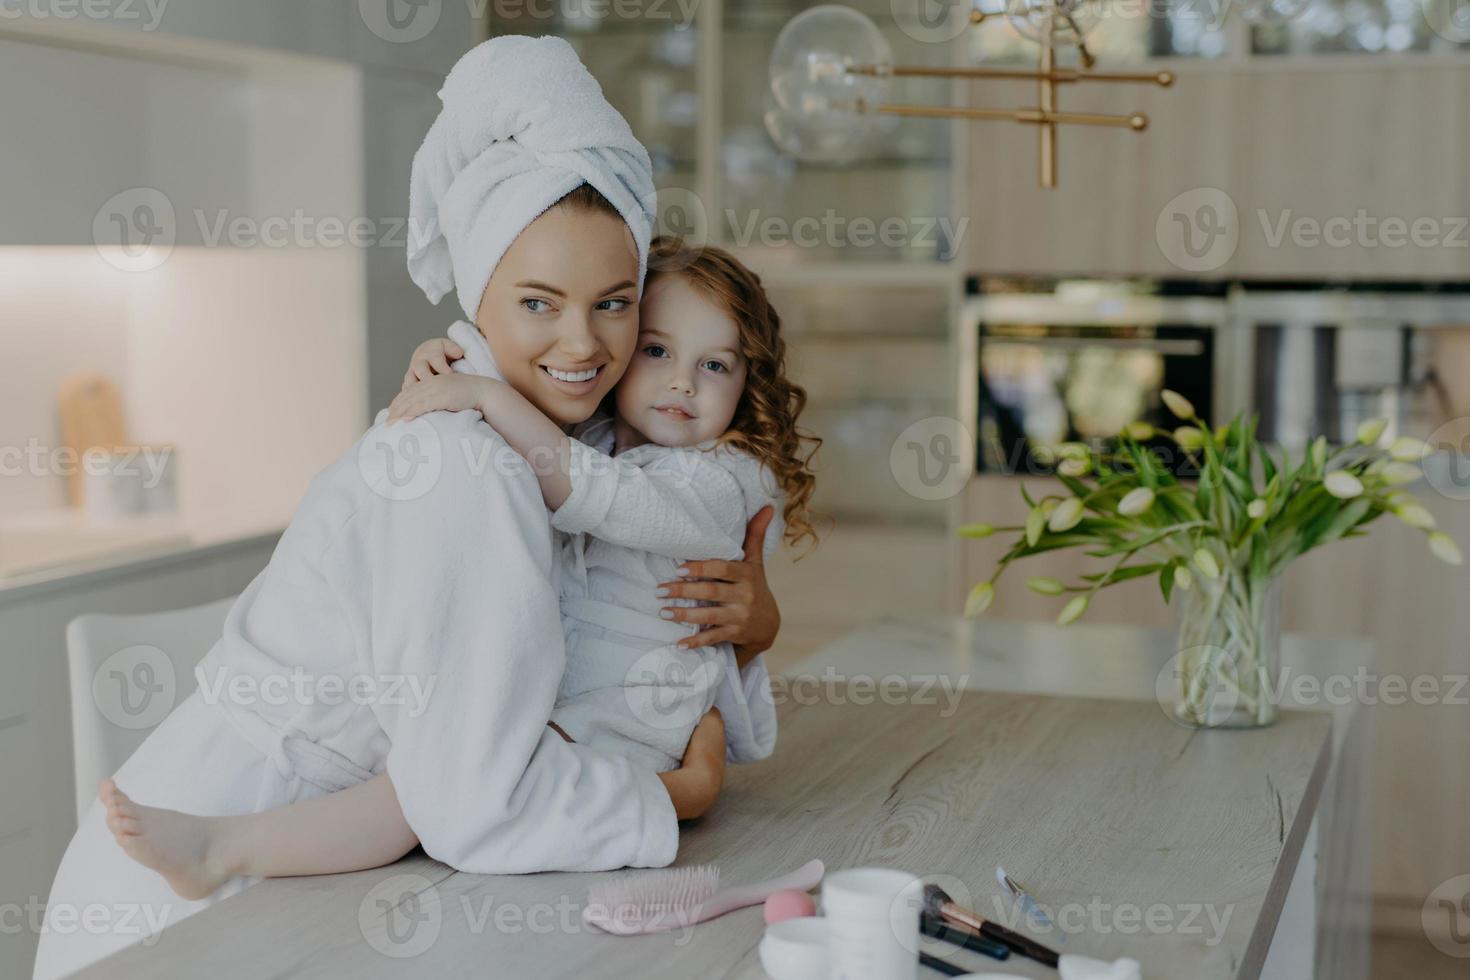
{"x":1323,"y":360}
{"x":1077,"y":360}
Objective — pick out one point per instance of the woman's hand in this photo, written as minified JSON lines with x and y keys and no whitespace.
{"x":431,"y":358}
{"x":745,"y":612}
{"x":442,"y":393}
{"x":694,"y":786}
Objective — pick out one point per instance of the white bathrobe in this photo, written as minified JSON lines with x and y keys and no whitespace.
{"x":628,"y":688}
{"x":420,"y":561}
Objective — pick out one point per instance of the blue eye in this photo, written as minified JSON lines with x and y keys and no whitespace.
{"x":655,"y":350}
{"x":614,"y":305}
{"x":529,"y":304}
{"x":718,"y":367}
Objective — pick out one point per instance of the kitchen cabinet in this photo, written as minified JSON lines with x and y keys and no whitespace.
{"x":1293,"y":143}
{"x":37,"y":791}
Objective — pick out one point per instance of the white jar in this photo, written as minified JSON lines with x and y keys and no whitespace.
{"x":873,"y":924}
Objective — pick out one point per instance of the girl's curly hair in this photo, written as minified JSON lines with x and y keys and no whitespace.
{"x":765,"y":420}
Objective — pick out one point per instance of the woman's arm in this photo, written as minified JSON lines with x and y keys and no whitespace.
{"x":535,"y":437}
{"x":744,"y":611}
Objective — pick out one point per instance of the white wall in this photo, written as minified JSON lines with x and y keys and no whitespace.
{"x":250,"y":357}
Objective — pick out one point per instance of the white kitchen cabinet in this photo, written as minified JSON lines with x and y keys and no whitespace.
{"x":37,"y":791}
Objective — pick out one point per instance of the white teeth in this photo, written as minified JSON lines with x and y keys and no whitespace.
{"x":587,"y":375}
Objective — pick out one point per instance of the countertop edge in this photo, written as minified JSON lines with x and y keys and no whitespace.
{"x":64,"y":579}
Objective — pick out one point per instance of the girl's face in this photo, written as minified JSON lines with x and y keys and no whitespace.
{"x":686,"y":377}
{"x":560,"y":312}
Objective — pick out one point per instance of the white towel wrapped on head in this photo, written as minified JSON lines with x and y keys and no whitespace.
{"x":523,"y":124}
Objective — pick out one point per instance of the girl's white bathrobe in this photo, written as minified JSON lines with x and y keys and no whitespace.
{"x":408,"y":621}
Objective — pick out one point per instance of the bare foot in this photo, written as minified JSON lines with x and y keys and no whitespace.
{"x":180,"y":846}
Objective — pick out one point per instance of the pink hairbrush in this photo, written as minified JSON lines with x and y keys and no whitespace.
{"x":659,"y":901}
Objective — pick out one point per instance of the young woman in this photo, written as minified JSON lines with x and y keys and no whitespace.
{"x":703,"y":435}
{"x":419,"y":562}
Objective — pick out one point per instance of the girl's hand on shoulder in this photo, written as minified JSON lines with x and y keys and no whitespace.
{"x":440,"y":393}
{"x":431,"y":358}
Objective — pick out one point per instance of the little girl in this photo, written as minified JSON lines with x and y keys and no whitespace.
{"x":702,"y":437}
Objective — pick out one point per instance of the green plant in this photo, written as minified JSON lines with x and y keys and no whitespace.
{"x":1247,"y":516}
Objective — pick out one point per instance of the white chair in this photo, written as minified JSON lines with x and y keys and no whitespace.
{"x":126,"y":674}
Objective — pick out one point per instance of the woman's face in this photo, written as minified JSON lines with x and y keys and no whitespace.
{"x":560,"y":312}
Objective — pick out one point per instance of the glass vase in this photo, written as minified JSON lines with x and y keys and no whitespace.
{"x":1229,"y":662}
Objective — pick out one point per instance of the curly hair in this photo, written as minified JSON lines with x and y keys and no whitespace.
{"x":765,"y":419}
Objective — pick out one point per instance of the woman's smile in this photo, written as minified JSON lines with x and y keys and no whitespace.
{"x":578,"y":382}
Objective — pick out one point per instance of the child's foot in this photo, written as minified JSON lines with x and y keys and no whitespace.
{"x":179,"y":846}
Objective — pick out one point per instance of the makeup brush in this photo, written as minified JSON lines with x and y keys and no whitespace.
{"x":937,"y":928}
{"x":938,"y":903}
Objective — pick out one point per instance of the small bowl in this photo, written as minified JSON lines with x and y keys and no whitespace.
{"x":795,"y":949}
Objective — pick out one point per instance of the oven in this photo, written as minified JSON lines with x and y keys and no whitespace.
{"x":1076,"y":360}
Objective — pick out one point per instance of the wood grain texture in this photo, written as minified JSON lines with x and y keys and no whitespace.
{"x":1106,"y":805}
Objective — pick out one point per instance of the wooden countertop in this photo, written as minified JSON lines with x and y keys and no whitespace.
{"x":1146,"y":839}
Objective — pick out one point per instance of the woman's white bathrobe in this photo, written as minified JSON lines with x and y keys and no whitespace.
{"x":421,"y":562}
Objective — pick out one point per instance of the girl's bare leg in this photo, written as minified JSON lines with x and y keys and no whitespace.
{"x":355,"y":828}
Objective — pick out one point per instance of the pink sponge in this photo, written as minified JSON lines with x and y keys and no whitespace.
{"x":788,"y":904}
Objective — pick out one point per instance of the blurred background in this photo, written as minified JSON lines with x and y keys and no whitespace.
{"x":202,"y":224}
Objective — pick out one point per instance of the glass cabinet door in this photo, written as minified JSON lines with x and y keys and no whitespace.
{"x":891,"y":206}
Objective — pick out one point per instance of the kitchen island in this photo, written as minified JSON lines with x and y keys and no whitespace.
{"x":943,"y":748}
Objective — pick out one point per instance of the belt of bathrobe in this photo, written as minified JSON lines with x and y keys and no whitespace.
{"x":640,"y":628}
{"x":296,"y":757}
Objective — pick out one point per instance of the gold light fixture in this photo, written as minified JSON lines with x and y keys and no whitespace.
{"x":831,"y":68}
